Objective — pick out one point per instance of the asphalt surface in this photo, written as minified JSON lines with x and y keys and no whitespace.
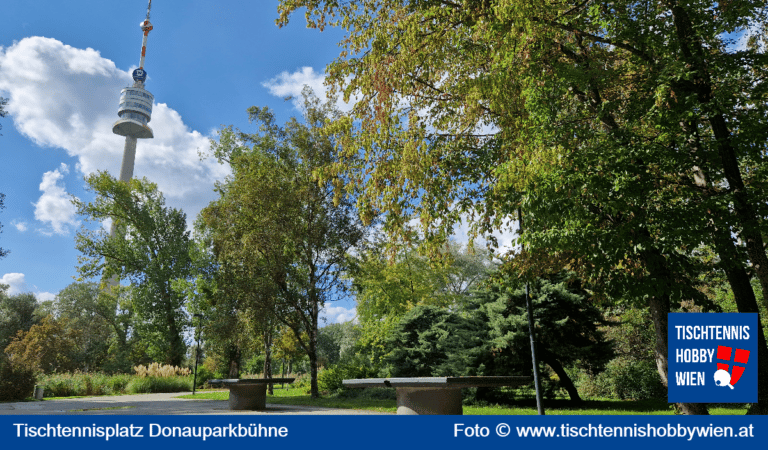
{"x":157,"y":404}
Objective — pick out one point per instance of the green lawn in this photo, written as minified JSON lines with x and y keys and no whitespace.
{"x":290,"y":396}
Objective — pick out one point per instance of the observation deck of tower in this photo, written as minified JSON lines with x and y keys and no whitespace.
{"x":135,"y":109}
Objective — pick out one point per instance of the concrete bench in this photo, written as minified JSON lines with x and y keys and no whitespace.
{"x":248,"y":394}
{"x":433,"y":395}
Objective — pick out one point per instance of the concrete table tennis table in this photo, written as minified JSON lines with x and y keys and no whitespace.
{"x":433,"y":395}
{"x":248,"y":394}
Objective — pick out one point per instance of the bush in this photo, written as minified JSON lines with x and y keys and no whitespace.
{"x":254,"y":365}
{"x":638,"y":381}
{"x":330,"y":379}
{"x":16,"y":382}
{"x":303,"y":381}
{"x":116,"y":384}
{"x":203,"y":375}
{"x":62,"y":385}
{"x":625,"y":379}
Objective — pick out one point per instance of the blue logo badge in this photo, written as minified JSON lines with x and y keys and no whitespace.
{"x":712,"y":357}
{"x":139,"y":75}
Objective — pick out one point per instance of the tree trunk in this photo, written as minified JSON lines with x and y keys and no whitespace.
{"x":234,"y":355}
{"x":701,"y":84}
{"x":761,"y":407}
{"x":738,"y":278}
{"x":267,"y":335}
{"x":176,"y":348}
{"x":659,"y":306}
{"x":565,"y":381}
{"x":314,"y":390}
{"x":746,"y":303}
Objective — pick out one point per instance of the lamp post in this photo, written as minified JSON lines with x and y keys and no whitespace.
{"x":197,"y":352}
{"x":536,"y":379}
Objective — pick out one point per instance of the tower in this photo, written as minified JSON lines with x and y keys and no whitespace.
{"x":135,"y":109}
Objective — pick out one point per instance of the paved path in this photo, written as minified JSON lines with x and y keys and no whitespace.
{"x":155,"y":404}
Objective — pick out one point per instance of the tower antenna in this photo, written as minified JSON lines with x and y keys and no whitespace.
{"x":146,"y":27}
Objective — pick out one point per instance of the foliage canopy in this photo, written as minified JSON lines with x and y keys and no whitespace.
{"x":150,"y":247}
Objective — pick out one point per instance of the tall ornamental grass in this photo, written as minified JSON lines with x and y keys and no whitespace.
{"x":155,"y":378}
{"x":149,"y":385}
{"x":83,"y":384}
{"x":161,"y":371}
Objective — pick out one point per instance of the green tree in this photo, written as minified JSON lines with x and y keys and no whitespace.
{"x":601,"y":122}
{"x":228,"y":295}
{"x":82,"y":306}
{"x":469,"y":266}
{"x":226,"y":333}
{"x":265,"y":326}
{"x":150,"y":248}
{"x":337,"y":342}
{"x":287,"y":349}
{"x":17,"y":314}
{"x":277,"y":224}
{"x":631,"y":373}
{"x":387,"y":287}
{"x":566,"y":327}
{"x":125,"y":347}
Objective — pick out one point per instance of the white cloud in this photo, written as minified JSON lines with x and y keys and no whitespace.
{"x":15,"y":281}
{"x":65,"y":97}
{"x":741,"y":38}
{"x":54,"y":206}
{"x":21,"y":226}
{"x":44,"y":296}
{"x":337,"y":314}
{"x":505,"y":237}
{"x":18,"y":285}
{"x":291,"y":84}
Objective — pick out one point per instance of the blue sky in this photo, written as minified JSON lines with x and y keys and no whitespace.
{"x":62,"y":65}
